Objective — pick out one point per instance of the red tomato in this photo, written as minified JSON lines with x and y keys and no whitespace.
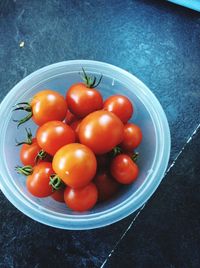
{"x":70,"y":118}
{"x":101,"y":131}
{"x":75,"y":164}
{"x":81,"y":199}
{"x":38,"y":182}
{"x":83,"y":100}
{"x":106,"y":186}
{"x":53,"y":135}
{"x":75,"y":126}
{"x":132,"y":137}
{"x":58,"y":195}
{"x":46,"y":105}
{"x":30,"y":152}
{"x":123,"y":169}
{"x":120,"y":106}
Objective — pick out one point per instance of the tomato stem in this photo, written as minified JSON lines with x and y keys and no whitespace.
{"x":134,"y":157}
{"x":25,"y":170}
{"x":40,"y":156}
{"x":28,"y":140}
{"x":91,"y":81}
{"x":24,"y":106}
{"x":115,"y":151}
{"x":56,"y":182}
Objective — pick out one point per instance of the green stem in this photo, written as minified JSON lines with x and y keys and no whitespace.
{"x":25,"y":170}
{"x":90,"y":81}
{"x":56,"y":182}
{"x":115,"y":151}
{"x":40,"y":156}
{"x":28,"y":140}
{"x":24,"y":106}
{"x":134,"y":157}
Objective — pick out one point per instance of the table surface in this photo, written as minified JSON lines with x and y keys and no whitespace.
{"x":158,"y":42}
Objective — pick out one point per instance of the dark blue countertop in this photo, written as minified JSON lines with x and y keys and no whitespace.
{"x":158,"y":42}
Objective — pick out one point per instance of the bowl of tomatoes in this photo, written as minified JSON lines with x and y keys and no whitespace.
{"x":83,"y":144}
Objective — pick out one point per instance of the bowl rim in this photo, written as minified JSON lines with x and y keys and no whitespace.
{"x":95,"y":220}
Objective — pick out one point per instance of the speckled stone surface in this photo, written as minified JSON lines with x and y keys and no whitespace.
{"x":159,"y":43}
{"x":167,"y":232}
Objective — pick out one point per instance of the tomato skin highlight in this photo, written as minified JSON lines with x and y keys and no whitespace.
{"x":120,"y":106}
{"x":82,"y":100}
{"x":75,"y":164}
{"x":81,"y":199}
{"x":48,"y":105}
{"x":53,"y":135}
{"x":106,"y":185}
{"x":38,"y":182}
{"x":132,"y":137}
{"x":101,"y":131}
{"x":123,"y":169}
{"x":58,"y":195}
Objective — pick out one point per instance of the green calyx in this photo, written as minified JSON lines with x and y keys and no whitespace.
{"x":23,"y":106}
{"x":56,"y":182}
{"x":25,"y":170}
{"x":134,"y":156}
{"x":40,"y":156}
{"x":28,"y":140}
{"x":115,"y":151}
{"x":91,"y":82}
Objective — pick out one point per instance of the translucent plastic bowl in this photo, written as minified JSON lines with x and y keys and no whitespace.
{"x":154,"y":150}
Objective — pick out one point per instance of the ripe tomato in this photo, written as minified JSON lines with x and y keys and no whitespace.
{"x":53,"y":135}
{"x":70,"y":118}
{"x":75,"y":164}
{"x":81,"y":199}
{"x":132,"y":137}
{"x":75,"y":126}
{"x":106,"y":186}
{"x":101,"y":131}
{"x":58,"y":195}
{"x":123,"y":169}
{"x":46,"y":105}
{"x":83,"y":100}
{"x":120,"y":106}
{"x":38,"y":182}
{"x":30,"y":154}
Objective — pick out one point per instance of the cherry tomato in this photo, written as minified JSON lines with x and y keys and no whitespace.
{"x":75,"y":164}
{"x":58,"y":195}
{"x":132,"y":137}
{"x":106,"y":186}
{"x":123,"y":169}
{"x":38,"y":182}
{"x":46,"y":105}
{"x":30,"y":154}
{"x":53,"y":135}
{"x":70,"y":118}
{"x":101,"y":131}
{"x":120,"y":106}
{"x":81,"y":199}
{"x":75,"y":126}
{"x":83,"y":100}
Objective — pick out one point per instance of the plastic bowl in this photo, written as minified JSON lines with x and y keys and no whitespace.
{"x":154,"y":150}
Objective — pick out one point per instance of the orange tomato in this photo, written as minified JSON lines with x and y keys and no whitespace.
{"x":75,"y":164}
{"x":101,"y":131}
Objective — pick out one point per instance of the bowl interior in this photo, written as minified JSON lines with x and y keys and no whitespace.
{"x":61,"y":81}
